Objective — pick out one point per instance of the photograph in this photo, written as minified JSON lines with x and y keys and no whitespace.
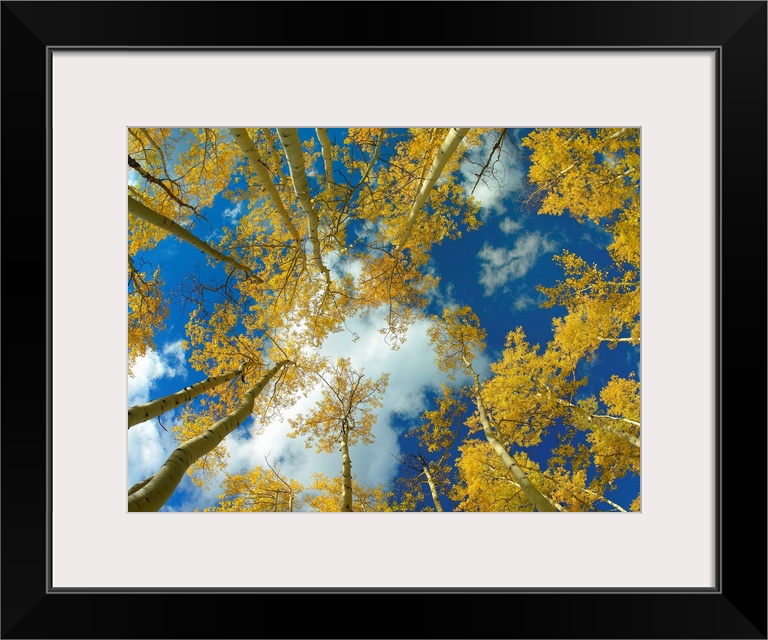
{"x":384,"y":319}
{"x":384,"y":259}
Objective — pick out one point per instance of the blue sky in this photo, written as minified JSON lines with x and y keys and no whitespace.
{"x":494,"y":269}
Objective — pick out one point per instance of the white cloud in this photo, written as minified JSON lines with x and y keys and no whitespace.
{"x":500,"y":265}
{"x":523,"y":302}
{"x":412,"y":373}
{"x":596,"y":235}
{"x":608,"y":158}
{"x":190,"y":497}
{"x":503,"y":177}
{"x":233,"y":213}
{"x":148,"y":448}
{"x":148,"y":444}
{"x":341,"y":264}
{"x":509,"y":226}
{"x":443,"y":295}
{"x":151,"y":367}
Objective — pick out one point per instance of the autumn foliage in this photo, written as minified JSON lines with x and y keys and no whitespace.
{"x":334,"y":228}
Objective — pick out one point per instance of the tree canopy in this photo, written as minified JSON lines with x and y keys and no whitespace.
{"x":288,"y":269}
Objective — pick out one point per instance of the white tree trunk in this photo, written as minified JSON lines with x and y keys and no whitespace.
{"x":450,"y":145}
{"x":346,"y":473}
{"x":143,"y":412}
{"x":616,"y":340}
{"x":606,"y":500}
{"x":618,"y":134}
{"x":325,"y":144}
{"x":153,"y":217}
{"x":292,"y":147}
{"x":519,"y":476}
{"x":273,"y":148}
{"x":432,"y":488}
{"x":152,"y":495}
{"x":598,"y":421}
{"x":245,"y":143}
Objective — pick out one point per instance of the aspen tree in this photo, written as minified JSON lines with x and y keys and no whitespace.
{"x":457,"y":339}
{"x":343,"y":417}
{"x":151,"y":494}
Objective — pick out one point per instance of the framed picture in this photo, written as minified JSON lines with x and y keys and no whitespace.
{"x":691,"y":77}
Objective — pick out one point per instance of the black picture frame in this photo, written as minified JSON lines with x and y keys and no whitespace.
{"x":736,"y":608}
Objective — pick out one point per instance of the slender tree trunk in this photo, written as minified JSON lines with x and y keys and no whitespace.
{"x":432,"y":488}
{"x":325,"y":144}
{"x":450,"y":145}
{"x":153,"y":217}
{"x":346,"y":473}
{"x":616,"y":340}
{"x":273,"y":148}
{"x":245,"y":143}
{"x":598,"y":421}
{"x":604,"y":499}
{"x":618,"y":134}
{"x":532,"y":493}
{"x":143,"y":412}
{"x":567,"y":169}
{"x":619,"y":177}
{"x":597,"y":149}
{"x":633,"y":440}
{"x":155,"y":493}
{"x":292,"y":146}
